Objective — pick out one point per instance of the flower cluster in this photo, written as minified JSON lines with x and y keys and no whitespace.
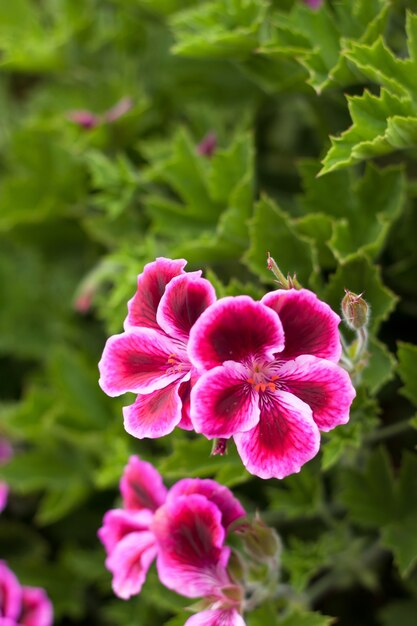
{"x":22,"y":606}
{"x":185,"y":529}
{"x":264,"y":373}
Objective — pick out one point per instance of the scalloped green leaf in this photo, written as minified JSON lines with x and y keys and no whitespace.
{"x":272,"y":230}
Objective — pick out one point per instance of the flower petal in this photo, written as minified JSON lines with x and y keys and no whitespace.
{"x":218,"y":617}
{"x":140,"y":361}
{"x":235,"y":328}
{"x":223,"y":402}
{"x":191,"y":557}
{"x":321,"y":384}
{"x":129,"y":563}
{"x":151,"y":286}
{"x":10,"y":593}
{"x":36,"y":608}
{"x":118,"y":523}
{"x":184,"y":392}
{"x":221,"y":496}
{"x":285,"y":438}
{"x":155,"y":414}
{"x":184,"y":300}
{"x":310,"y":325}
{"x":141,"y":486}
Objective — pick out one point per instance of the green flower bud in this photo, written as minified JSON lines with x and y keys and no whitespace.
{"x":355,"y":310}
{"x":261,"y":542}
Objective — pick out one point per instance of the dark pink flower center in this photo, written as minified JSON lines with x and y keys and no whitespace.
{"x":176,"y":365}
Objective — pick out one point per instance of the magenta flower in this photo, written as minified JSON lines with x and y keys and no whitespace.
{"x":6,"y":452}
{"x":192,"y":558}
{"x":22,"y":606}
{"x":208,"y":145}
{"x":128,"y":534}
{"x":150,"y":358}
{"x":271,"y":378}
{"x":89,"y":120}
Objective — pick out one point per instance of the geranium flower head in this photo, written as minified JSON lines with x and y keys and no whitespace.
{"x":129,"y":536}
{"x":270,"y":378}
{"x":150,"y":358}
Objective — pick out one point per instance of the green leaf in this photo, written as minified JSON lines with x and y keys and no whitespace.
{"x":407,"y":369}
{"x":363,"y":208}
{"x":370,"y":494}
{"x":298,"y":618}
{"x":300,"y":495}
{"x":272,"y":230}
{"x":375,"y":499}
{"x":360,"y":276}
{"x":342,"y":442}
{"x":380,"y":367}
{"x":191,"y":457}
{"x":384,"y":123}
{"x":368,"y":136}
{"x":219,"y":29}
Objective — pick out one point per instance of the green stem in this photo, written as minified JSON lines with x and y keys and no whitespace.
{"x":388,"y":431}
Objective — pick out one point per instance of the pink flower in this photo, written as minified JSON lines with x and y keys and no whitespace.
{"x":89,"y":120}
{"x":207,"y":145}
{"x":271,"y":378}
{"x":128,"y":534}
{"x":193,"y":558}
{"x":6,"y":452}
{"x":150,"y":358}
{"x":22,"y":606}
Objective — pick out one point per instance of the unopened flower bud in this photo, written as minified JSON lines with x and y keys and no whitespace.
{"x":355,"y":310}
{"x":261,"y":541}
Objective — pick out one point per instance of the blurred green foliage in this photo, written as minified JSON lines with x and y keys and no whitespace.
{"x":83,"y":209}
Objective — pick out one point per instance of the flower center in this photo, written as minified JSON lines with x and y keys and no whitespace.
{"x":262,"y":377}
{"x":175,"y":364}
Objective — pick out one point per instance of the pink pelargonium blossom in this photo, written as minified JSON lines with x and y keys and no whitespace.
{"x":192,"y":558}
{"x":150,"y":358}
{"x":22,"y":606}
{"x":127,"y":534}
{"x":271,"y":378}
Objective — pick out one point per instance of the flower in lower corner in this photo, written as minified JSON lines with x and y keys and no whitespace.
{"x":21,"y":605}
{"x":193,"y":559}
{"x":150,"y":358}
{"x":271,"y":378}
{"x":128,"y":533}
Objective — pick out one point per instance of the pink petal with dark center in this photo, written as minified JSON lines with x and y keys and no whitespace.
{"x":234,"y":329}
{"x":141,"y":486}
{"x":151,"y":286}
{"x":184,"y":300}
{"x":140,"y":360}
{"x":217,"y":617}
{"x":129,"y":563}
{"x":118,"y":523}
{"x":10,"y":593}
{"x":285,"y":438}
{"x":36,"y":608}
{"x":229,"y":507}
{"x":191,"y":557}
{"x":310,"y":325}
{"x":321,"y":384}
{"x":224,"y":403}
{"x":155,"y":414}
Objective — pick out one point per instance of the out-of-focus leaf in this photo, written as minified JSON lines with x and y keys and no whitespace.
{"x":407,"y":369}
